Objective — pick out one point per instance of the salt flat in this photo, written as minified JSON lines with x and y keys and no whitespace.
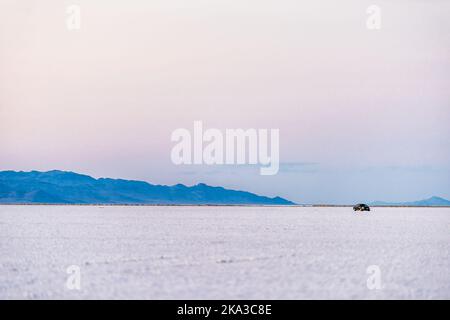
{"x":143,"y":252}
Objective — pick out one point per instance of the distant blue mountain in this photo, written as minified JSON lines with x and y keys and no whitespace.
{"x":431,"y":202}
{"x":62,"y":187}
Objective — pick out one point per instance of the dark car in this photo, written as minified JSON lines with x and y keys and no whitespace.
{"x":361,"y":207}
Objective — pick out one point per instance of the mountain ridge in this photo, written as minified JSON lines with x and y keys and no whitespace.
{"x":433,"y":201}
{"x":67,"y":187}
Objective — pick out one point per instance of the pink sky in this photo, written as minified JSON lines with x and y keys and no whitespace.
{"x":363,"y":114}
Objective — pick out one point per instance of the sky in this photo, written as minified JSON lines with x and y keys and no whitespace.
{"x":363,"y":114}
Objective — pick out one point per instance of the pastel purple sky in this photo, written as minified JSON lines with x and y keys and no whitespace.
{"x":363,"y":114}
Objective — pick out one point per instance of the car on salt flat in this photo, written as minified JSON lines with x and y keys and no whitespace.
{"x":361,"y":207}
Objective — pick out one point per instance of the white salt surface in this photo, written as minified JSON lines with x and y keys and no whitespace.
{"x":223,"y":252}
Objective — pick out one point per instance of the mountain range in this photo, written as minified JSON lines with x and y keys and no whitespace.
{"x":430,"y":202}
{"x":63,"y":187}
